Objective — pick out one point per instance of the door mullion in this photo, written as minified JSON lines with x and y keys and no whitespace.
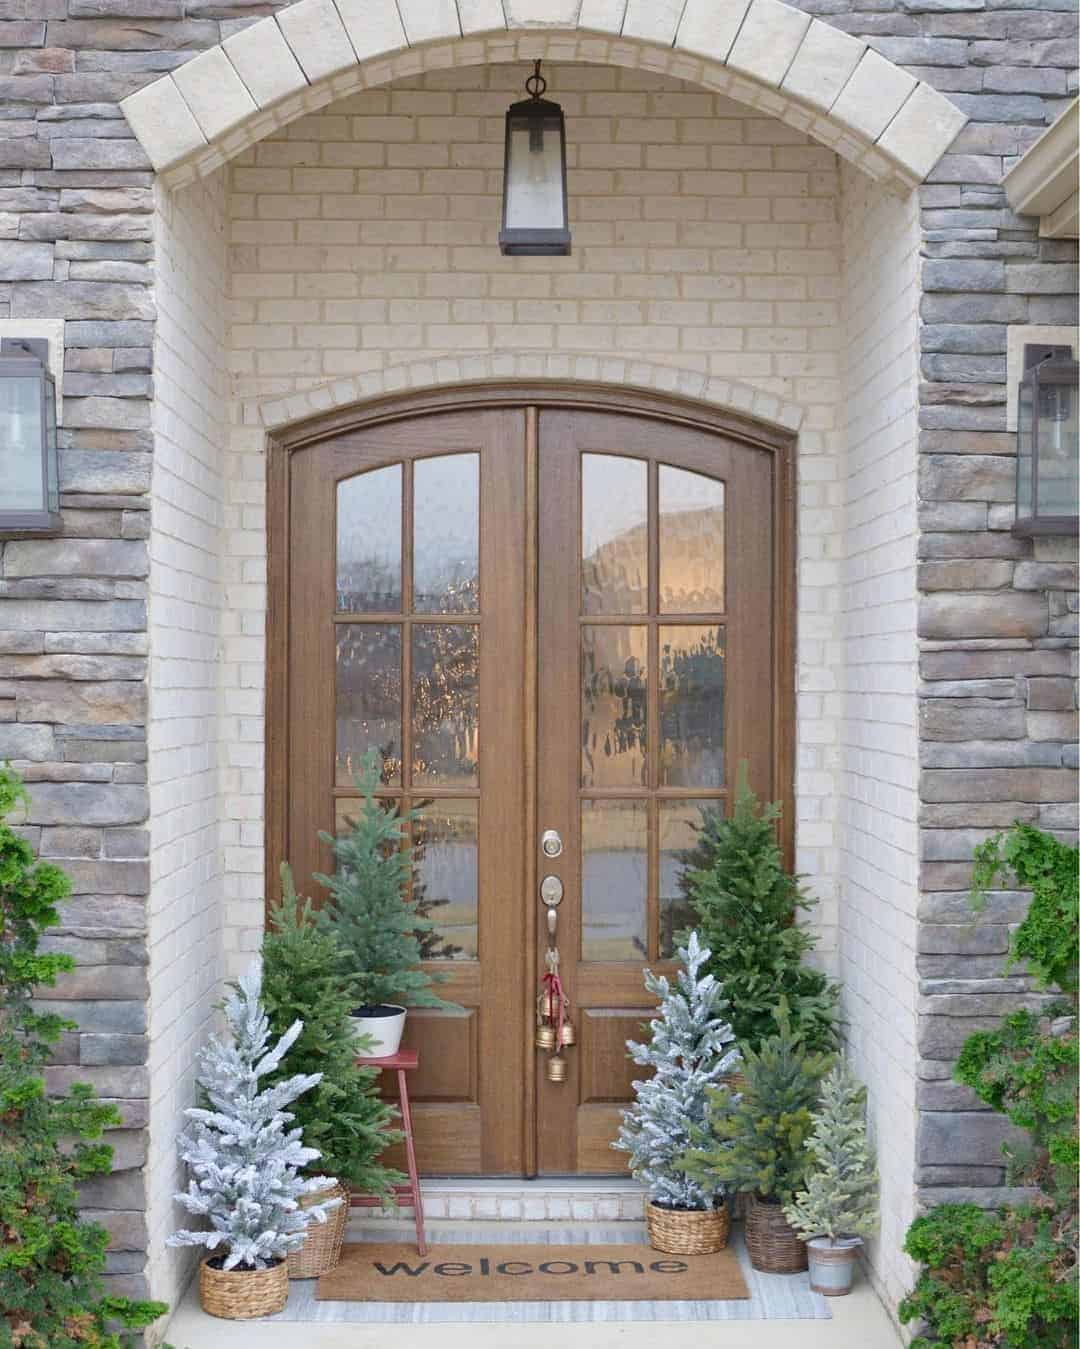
{"x":529,"y":769}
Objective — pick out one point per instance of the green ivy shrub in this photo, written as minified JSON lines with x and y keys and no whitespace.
{"x":989,"y":1278}
{"x":51,"y":1291}
{"x":1009,"y":1277}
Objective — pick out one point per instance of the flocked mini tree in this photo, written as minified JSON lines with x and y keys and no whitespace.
{"x":243,"y":1156}
{"x":692,"y":1047}
{"x":369,"y":909}
{"x":841,"y":1195}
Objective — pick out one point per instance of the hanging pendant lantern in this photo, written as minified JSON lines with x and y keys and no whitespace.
{"x":535,"y":221}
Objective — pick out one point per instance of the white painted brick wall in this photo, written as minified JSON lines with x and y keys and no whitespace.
{"x":874,"y":687}
{"x":707,"y":238}
{"x":187,"y":588}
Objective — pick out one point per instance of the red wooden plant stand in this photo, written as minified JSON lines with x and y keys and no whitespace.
{"x":403,"y":1062}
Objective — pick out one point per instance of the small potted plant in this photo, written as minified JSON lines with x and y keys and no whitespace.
{"x":245,"y":1162}
{"x":754,"y":1141}
{"x":691,"y":1049}
{"x":839,"y":1205}
{"x":370,"y":913}
{"x":342,"y":1115}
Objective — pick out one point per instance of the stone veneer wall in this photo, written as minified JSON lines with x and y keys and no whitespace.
{"x":997,"y":614}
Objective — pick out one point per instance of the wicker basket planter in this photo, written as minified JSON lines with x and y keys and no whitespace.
{"x":771,"y":1241}
{"x":688,"y":1231}
{"x":322,"y":1241}
{"x":242,"y":1294}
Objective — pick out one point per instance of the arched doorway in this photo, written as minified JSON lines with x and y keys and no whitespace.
{"x":549,"y":610}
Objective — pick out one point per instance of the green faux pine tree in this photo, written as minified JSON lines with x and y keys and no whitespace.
{"x":747,"y":906}
{"x":840,"y":1199}
{"x":369,"y":910}
{"x":51,"y":1261}
{"x":754,"y":1139}
{"x":342,"y":1115}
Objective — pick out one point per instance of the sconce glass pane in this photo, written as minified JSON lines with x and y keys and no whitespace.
{"x":534,"y":185}
{"x":1057,"y":449}
{"x":21,"y":483}
{"x":1024,"y":451}
{"x":52,"y":470}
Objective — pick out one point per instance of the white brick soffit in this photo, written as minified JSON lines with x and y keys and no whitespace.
{"x":514,"y":367}
{"x":763,"y":53}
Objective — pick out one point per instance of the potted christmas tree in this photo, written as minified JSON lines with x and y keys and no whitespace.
{"x":754,"y":1141}
{"x":369,"y":911}
{"x":342,"y":1115}
{"x":839,"y":1205}
{"x":245,"y":1164}
{"x":748,"y":907}
{"x":690,"y":1050}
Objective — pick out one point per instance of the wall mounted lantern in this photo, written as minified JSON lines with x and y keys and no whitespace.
{"x":29,"y":486}
{"x":1048,"y":446}
{"x":534,"y":221}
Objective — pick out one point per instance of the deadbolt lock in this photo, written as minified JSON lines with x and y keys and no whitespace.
{"x":551,"y":843}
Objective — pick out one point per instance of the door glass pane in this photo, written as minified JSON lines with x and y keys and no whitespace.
{"x":691,"y":707}
{"x":614,"y":535}
{"x":445,"y":706}
{"x":368,"y":698}
{"x":680,"y":824}
{"x":445,"y":878}
{"x":691,"y":542}
{"x":369,"y":542}
{"x":446,"y":535}
{"x":614,"y":880}
{"x":613,"y":706}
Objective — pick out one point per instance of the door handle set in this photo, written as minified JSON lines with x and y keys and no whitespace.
{"x":554,"y":1029}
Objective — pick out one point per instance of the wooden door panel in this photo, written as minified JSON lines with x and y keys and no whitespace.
{"x":419,"y":702}
{"x":656,"y":677}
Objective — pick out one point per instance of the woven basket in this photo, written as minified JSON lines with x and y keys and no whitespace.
{"x":771,"y":1240}
{"x":242,"y":1294}
{"x":688,"y":1231}
{"x":322,"y":1241}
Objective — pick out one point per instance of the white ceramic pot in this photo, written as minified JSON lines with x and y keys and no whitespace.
{"x":384,"y":1024}
{"x":832,"y":1267}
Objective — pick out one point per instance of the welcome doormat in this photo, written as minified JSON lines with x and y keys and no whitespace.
{"x":393,"y":1272}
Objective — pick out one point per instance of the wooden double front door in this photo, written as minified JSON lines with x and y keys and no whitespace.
{"x":560,"y":624}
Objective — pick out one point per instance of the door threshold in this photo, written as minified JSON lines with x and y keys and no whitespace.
{"x":512,"y":1199}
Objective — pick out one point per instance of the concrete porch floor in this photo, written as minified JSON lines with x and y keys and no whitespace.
{"x":857,"y":1320}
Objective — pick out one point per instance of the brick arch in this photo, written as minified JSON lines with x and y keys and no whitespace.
{"x":524,"y":367}
{"x":763,"y":53}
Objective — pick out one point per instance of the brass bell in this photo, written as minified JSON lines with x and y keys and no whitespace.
{"x":567,"y":1035}
{"x":545,"y":1005}
{"x":545,"y":1037}
{"x":556,"y":1068}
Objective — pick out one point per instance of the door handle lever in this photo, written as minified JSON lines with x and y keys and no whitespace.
{"x":552,"y":922}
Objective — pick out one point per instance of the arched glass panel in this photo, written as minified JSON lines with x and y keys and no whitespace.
{"x":614,"y":534}
{"x":446,"y":534}
{"x":691,"y":542}
{"x":369,"y":542}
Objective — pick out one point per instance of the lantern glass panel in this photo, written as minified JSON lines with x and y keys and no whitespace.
{"x":52,"y":472}
{"x":21,"y":433}
{"x":1025,"y":447}
{"x":534,"y":168}
{"x":1058,"y":484}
